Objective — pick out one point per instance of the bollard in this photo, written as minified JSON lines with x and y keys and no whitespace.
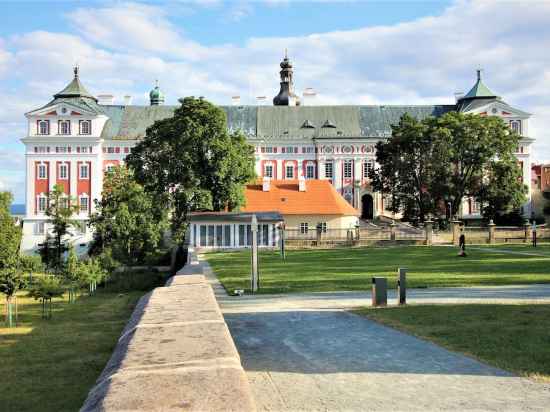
{"x":379,"y":291}
{"x":402,"y":286}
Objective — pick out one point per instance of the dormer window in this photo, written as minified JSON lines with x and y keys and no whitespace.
{"x":85,"y":127}
{"x":43,"y":127}
{"x":308,"y":125}
{"x":64,"y":127}
{"x":329,"y":124}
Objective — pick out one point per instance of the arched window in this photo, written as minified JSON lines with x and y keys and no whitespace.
{"x":515,"y":125}
{"x":43,"y":127}
{"x":85,"y":127}
{"x":64,"y":127}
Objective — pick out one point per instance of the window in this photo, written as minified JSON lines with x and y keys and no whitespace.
{"x":516,"y":126}
{"x":43,"y":127}
{"x":322,"y":226}
{"x":42,"y":203}
{"x":64,"y":202}
{"x":308,"y":149}
{"x":61,"y":149}
{"x":85,"y":127}
{"x":64,"y":127}
{"x":110,"y":168}
{"x":110,"y":150}
{"x":290,"y":149}
{"x":329,"y":170}
{"x":41,"y":149}
{"x":368,"y":165}
{"x":83,"y":203}
{"x":63,"y":171}
{"x":39,"y":228}
{"x":84,"y":171}
{"x":42,"y":171}
{"x":347,"y":169}
{"x":476,"y":207}
{"x":268,"y":171}
{"x":267,"y":149}
{"x":310,"y":171}
{"x":303,"y":228}
{"x":289,"y":172}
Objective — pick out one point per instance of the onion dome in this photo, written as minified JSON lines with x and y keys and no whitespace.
{"x":156,"y":96}
{"x":286,"y":96}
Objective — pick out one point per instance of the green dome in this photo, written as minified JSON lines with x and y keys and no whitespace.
{"x":156,"y":96}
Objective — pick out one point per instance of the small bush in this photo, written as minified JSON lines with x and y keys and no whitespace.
{"x":129,"y":280}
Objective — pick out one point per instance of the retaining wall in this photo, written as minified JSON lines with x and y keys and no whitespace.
{"x":175,"y":354}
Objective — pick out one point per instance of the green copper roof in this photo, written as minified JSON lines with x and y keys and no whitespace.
{"x":75,"y":89}
{"x":278,"y":122}
{"x":479,"y":90}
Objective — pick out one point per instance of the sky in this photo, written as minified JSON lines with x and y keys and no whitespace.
{"x":350,"y":52}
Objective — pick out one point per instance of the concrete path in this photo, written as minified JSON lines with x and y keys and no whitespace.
{"x":304,"y":352}
{"x":348,"y":300}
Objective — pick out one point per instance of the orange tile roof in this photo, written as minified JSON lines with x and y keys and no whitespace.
{"x":320,"y":198}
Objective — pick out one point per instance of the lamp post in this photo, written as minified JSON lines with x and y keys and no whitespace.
{"x":254,"y":281}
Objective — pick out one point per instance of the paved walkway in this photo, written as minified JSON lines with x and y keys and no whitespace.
{"x":304,"y":352}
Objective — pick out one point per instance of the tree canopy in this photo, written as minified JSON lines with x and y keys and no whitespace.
{"x":192,"y":162}
{"x":429,"y":164}
{"x":128,"y":221}
{"x":10,"y":233}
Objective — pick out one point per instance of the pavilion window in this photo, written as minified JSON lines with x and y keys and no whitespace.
{"x":310,"y":171}
{"x":290,"y":171}
{"x":64,"y":127}
{"x":44,"y":127}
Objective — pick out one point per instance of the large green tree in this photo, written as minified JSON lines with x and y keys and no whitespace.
{"x":128,"y":221}
{"x":192,"y":162}
{"x":429,"y":164}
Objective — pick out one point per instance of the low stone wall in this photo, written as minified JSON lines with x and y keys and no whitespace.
{"x":175,"y":354}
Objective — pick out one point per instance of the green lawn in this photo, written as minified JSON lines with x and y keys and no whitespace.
{"x":50,"y":365}
{"x":512,"y":337}
{"x":352,"y":269}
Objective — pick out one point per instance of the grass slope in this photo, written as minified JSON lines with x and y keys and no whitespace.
{"x":512,"y":337}
{"x":352,"y":269}
{"x":50,"y":365}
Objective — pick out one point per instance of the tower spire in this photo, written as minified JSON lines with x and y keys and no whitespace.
{"x":286,"y":96}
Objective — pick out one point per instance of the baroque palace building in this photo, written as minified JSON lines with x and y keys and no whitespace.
{"x":75,"y":138}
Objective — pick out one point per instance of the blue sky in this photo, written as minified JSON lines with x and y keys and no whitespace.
{"x":351,"y":52}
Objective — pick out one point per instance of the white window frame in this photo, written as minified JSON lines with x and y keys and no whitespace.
{"x":329,"y":170}
{"x":84,"y":176}
{"x":87,"y":123}
{"x":368,"y":165}
{"x":268,"y":167}
{"x":304,"y":228}
{"x":40,"y":228}
{"x":289,"y":167}
{"x":40,"y":175}
{"x":42,"y":203}
{"x":81,"y":207}
{"x":63,"y":167}
{"x":61,"y":125}
{"x":46,"y":124}
{"x":515,"y":125}
{"x":323,"y":227}
{"x":348,"y":169}
{"x":310,"y":167}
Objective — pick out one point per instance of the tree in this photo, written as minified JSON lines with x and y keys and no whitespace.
{"x":502,"y":190}
{"x":45,"y":289}
{"x":191,"y":162}
{"x":91,"y":274}
{"x":128,"y":221}
{"x":30,"y":264}
{"x":11,"y":281}
{"x":410,"y":167}
{"x":10,"y":233}
{"x":428,"y":164}
{"x":72,"y":274}
{"x":60,"y":211}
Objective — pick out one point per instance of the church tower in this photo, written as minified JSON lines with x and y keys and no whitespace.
{"x":286,"y":96}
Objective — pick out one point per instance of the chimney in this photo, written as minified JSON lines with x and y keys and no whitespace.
{"x":127,"y":100}
{"x":236,"y":100}
{"x":266,"y":184}
{"x":302,"y":184}
{"x":458,"y":96}
{"x":309,"y":97}
{"x":106,"y":99}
